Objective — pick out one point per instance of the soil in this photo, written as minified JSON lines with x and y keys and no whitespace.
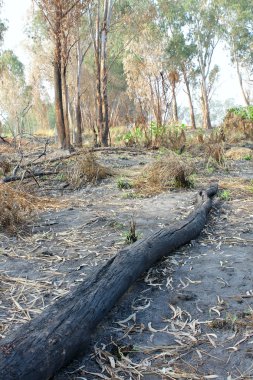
{"x":189,"y":317}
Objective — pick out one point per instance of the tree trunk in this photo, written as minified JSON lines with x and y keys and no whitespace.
{"x":79,"y":140}
{"x":205,"y":106}
{"x":66,"y":108}
{"x":38,"y":349}
{"x":192,"y":114}
{"x":174,"y":104}
{"x":105,"y":122}
{"x":245,"y":97}
{"x":59,"y":105}
{"x":98,"y":77}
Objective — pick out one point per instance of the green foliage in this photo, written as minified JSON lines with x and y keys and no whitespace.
{"x":238,"y":30}
{"x":123,"y":183}
{"x":225,"y":195}
{"x":246,"y":113}
{"x":176,"y":136}
{"x":3,"y":29}
{"x":116,"y":225}
{"x":131,"y":236}
{"x":156,"y":130}
{"x":248,"y":157}
{"x":10,"y":62}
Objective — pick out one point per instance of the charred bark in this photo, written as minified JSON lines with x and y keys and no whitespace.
{"x":38,"y":349}
{"x":58,"y":97}
{"x":14,"y":178}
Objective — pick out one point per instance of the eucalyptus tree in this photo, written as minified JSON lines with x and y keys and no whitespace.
{"x":239,"y":36}
{"x":146,"y":75}
{"x":100,"y":14}
{"x":204,"y":30}
{"x":61,"y":17}
{"x":180,"y":52}
{"x":3,"y":27}
{"x":15,"y":95}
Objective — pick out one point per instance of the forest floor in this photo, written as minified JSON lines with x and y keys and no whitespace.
{"x":189,"y":317}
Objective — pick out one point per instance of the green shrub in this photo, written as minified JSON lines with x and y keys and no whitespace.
{"x":225,"y":195}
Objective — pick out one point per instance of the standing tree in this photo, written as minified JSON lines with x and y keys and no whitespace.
{"x":204,"y":31}
{"x":15,"y":95}
{"x":99,"y":29}
{"x":238,"y":33}
{"x":61,"y":16}
{"x":174,"y":79}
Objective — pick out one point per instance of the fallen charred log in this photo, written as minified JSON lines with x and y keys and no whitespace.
{"x":14,"y":178}
{"x":38,"y":349}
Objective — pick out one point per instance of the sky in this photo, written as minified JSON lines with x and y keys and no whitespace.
{"x":15,"y":12}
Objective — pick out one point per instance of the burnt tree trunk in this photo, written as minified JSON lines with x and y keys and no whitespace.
{"x":67,"y":144}
{"x":79,"y":140}
{"x":38,"y":349}
{"x":58,"y":95}
{"x":105,"y":111}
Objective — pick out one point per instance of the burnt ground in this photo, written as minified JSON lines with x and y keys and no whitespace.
{"x":190,"y":317}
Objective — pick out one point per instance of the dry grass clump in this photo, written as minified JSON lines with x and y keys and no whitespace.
{"x":18,"y":206}
{"x":215,"y":151}
{"x":238,"y":153}
{"x":176,"y":138}
{"x":237,"y":187}
{"x":237,"y":123}
{"x":5,"y":166}
{"x":86,"y":169}
{"x":15,"y":206}
{"x":168,"y":172}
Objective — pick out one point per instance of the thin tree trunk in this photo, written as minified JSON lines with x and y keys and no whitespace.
{"x":205,"y":106}
{"x":192,"y":114}
{"x":159,"y":101}
{"x":105,"y":122}
{"x":58,"y":99}
{"x":245,"y":97}
{"x":59,"y":110}
{"x":66,"y":113}
{"x":174,"y":104}
{"x":79,"y":140}
{"x":98,"y":76}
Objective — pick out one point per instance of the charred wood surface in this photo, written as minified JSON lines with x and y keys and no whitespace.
{"x":28,"y":175}
{"x":38,"y":349}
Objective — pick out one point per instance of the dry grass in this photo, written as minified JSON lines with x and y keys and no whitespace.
{"x":238,"y":153}
{"x":168,"y":172}
{"x":17,"y":207}
{"x":5,"y":166}
{"x":176,"y":137}
{"x":238,"y":124}
{"x":238,"y":187}
{"x":215,"y":151}
{"x":86,"y":169}
{"x":44,"y":132}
